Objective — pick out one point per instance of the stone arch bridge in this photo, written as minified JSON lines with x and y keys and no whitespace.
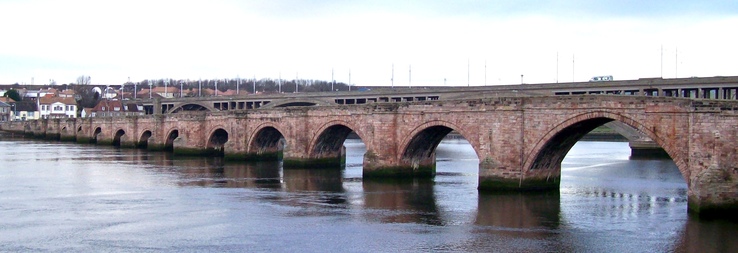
{"x":520,"y":141}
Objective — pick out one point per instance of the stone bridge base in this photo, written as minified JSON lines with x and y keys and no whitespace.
{"x":494,"y":177}
{"x":314,"y":163}
{"x":375,"y":167}
{"x":253,"y":157}
{"x":714,"y":193}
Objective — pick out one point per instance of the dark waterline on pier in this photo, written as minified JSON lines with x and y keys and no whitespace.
{"x":69,"y":197}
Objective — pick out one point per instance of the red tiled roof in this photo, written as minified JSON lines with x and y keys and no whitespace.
{"x":50,"y":100}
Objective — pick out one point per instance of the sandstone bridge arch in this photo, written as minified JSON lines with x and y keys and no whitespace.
{"x":418,"y":149}
{"x":216,"y":141}
{"x":544,"y":162}
{"x":118,"y":136}
{"x":326,"y":147}
{"x":143,"y":141}
{"x":95,"y":134}
{"x":171,"y":137}
{"x":266,"y":143}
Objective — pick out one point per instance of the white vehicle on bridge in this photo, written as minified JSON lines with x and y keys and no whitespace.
{"x":601,"y":79}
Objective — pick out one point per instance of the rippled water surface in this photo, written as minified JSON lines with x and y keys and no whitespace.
{"x":68,"y":197}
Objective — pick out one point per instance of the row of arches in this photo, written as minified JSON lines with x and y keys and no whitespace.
{"x":417,"y":149}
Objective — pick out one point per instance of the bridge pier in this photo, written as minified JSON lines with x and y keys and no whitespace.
{"x":180,"y":147}
{"x":714,"y":193}
{"x":331,"y":160}
{"x":376,"y":166}
{"x":646,"y":148}
{"x":152,"y":144}
{"x":496,"y":177}
{"x":256,"y":157}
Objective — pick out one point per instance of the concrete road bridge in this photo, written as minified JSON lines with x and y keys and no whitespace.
{"x":520,"y":140}
{"x":722,"y":88}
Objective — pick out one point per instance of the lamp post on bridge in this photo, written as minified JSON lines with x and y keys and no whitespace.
{"x":180,"y":89}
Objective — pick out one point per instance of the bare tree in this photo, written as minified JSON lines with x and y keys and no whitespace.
{"x":85,"y":95}
{"x":83,"y":80}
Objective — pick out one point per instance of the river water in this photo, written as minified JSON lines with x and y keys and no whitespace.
{"x":64,"y":197}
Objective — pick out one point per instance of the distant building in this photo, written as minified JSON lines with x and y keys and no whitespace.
{"x":57,"y":107}
{"x":68,"y":93}
{"x":113,"y":108}
{"x":7,"y":100}
{"x":146,"y":93}
{"x":32,"y":95}
{"x":25,"y":110}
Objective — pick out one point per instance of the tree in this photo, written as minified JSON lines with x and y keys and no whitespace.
{"x":83,"y":80}
{"x":85,"y":95}
{"x":13,"y":94}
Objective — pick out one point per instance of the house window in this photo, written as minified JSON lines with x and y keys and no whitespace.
{"x":58,"y":108}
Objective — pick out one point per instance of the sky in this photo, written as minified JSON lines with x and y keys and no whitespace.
{"x":366,"y":43}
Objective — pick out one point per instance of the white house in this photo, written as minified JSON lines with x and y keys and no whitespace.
{"x":56,"y":107}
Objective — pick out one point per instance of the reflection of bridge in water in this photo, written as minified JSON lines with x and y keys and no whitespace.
{"x":520,"y":137}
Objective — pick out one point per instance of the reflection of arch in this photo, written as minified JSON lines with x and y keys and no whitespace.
{"x":118,"y":135}
{"x":551,"y":149}
{"x":422,"y":142}
{"x":97,"y":132}
{"x":265,"y":140}
{"x":192,"y":108}
{"x":217,"y":141}
{"x":143,"y":142}
{"x":169,"y":144}
{"x":331,"y":138}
